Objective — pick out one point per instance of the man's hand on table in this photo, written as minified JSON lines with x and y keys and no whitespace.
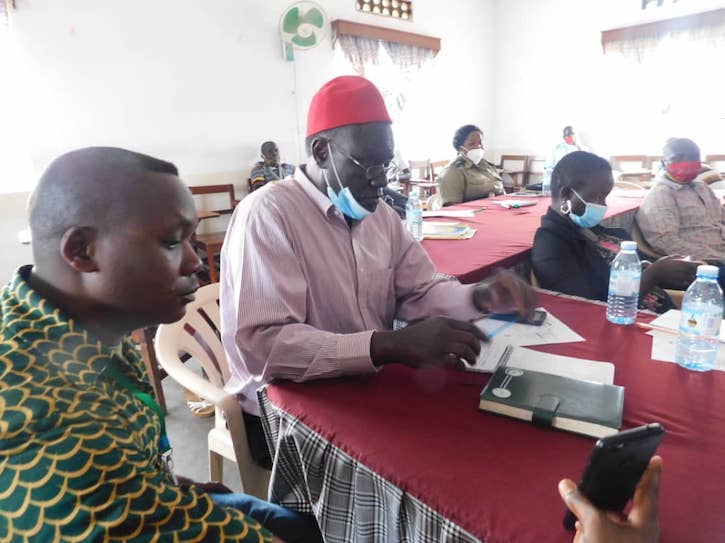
{"x":597,"y":526}
{"x":505,"y":292}
{"x":438,"y":341}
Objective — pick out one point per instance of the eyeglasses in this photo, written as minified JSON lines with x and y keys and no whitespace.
{"x":371,"y":172}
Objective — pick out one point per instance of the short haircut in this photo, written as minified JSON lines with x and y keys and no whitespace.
{"x":91,"y":186}
{"x":268,"y":146}
{"x":462,"y":133}
{"x":575,"y":169}
{"x":568,"y":131}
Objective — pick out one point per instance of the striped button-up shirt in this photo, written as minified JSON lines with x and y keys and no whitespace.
{"x":685,"y":219}
{"x":302,"y":291}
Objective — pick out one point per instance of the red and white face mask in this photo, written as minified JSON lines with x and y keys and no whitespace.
{"x":569,"y":140}
{"x":684,"y":172}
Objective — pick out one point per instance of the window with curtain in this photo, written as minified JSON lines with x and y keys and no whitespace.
{"x":16,"y":172}
{"x":391,"y":59}
{"x":400,"y":64}
{"x":668,"y":76}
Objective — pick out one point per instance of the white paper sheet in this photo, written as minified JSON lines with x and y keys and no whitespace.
{"x":455,"y":213}
{"x":527,"y":359}
{"x":504,"y":333}
{"x":671,"y":320}
{"x":552,"y":331}
{"x":514,"y":203}
{"x":663,"y":349}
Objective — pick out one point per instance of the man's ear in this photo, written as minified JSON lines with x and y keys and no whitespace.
{"x":77,"y":247}
{"x":320,"y":152}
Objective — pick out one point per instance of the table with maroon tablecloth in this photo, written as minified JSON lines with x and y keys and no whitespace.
{"x":504,"y":237}
{"x":401,"y":452}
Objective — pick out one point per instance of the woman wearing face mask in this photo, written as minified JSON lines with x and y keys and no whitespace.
{"x":469,"y":176}
{"x":572,"y":253}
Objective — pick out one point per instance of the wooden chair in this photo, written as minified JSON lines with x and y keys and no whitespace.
{"x":210,"y":244}
{"x":198,"y":335}
{"x":436,"y":166}
{"x":517,"y":166}
{"x":716,"y":162}
{"x":145,"y":339}
{"x":637,"y":168}
{"x":536,"y":169}
{"x":420,"y":169}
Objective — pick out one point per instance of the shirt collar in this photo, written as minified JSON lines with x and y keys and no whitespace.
{"x":26,"y":317}
{"x":321,"y":201}
{"x":669,"y":183}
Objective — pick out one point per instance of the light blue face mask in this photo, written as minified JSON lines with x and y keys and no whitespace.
{"x":343,"y":201}
{"x":593,"y":213}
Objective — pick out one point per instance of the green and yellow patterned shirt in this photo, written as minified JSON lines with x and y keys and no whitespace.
{"x":79,"y":453}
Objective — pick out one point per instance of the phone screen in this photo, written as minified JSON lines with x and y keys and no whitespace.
{"x":615,"y":466}
{"x":537,"y":320}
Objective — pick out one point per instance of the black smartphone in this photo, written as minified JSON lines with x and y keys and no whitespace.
{"x":615,"y":466}
{"x":537,"y":320}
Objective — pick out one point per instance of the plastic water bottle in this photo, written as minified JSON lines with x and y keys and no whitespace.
{"x":546,"y":183}
{"x":414,"y":215}
{"x":700,"y":319}
{"x":624,"y":279}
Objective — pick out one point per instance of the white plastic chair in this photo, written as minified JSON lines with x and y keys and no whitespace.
{"x":197,"y":334}
{"x":435,"y":202}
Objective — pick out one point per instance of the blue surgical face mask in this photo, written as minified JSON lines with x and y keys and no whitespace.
{"x":593,"y":213}
{"x":343,"y":201}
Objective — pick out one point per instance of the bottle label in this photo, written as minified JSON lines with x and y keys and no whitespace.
{"x":700,"y":323}
{"x":623,"y":283}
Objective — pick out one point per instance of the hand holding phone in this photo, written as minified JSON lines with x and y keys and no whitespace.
{"x":615,"y":466}
{"x":536,"y":320}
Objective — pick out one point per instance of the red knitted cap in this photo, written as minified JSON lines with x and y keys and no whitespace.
{"x":347,"y":99}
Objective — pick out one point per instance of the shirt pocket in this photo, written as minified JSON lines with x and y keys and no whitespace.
{"x":377,"y":298}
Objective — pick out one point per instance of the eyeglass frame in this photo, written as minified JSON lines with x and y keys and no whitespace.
{"x":370,"y":177}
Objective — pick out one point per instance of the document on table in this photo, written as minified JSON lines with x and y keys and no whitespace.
{"x":503,"y":334}
{"x":508,"y":204}
{"x":526,"y":359}
{"x":663,"y":343}
{"x":513,"y":333}
{"x":447,"y":230}
{"x":453,"y":213}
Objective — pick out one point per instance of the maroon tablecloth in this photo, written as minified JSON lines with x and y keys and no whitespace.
{"x":496,"y":477}
{"x":503,"y":238}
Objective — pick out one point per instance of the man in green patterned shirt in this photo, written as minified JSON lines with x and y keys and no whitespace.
{"x":81,"y":438}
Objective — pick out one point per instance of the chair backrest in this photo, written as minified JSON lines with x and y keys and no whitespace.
{"x":420,"y":169}
{"x":716,"y":162}
{"x":435,"y":202}
{"x":207,"y":190}
{"x":437,"y":166}
{"x":627,"y":163}
{"x":518,"y":163}
{"x":197,"y":335}
{"x":536,"y":169}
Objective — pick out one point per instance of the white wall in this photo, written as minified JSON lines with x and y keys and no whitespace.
{"x":202,"y":84}
{"x":551,"y":72}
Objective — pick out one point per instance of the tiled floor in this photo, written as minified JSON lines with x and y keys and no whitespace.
{"x":188,"y":436}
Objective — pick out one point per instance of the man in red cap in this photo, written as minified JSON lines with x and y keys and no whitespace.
{"x":314,"y":271}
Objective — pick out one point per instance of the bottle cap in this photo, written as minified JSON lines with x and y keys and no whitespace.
{"x":711,"y":272}
{"x":629,"y":246}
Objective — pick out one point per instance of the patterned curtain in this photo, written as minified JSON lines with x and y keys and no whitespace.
{"x":407,"y":57}
{"x":642,"y":42}
{"x":358,"y":51}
